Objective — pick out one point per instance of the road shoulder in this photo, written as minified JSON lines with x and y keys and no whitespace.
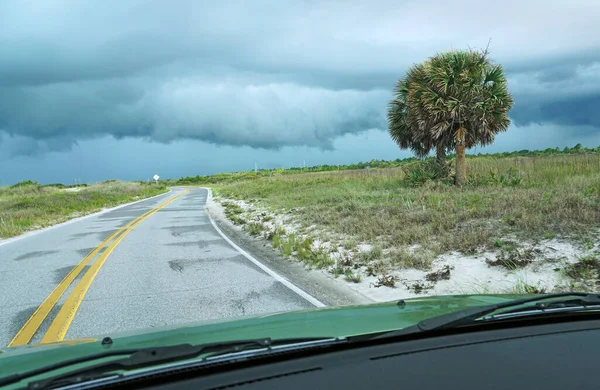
{"x":313,"y":282}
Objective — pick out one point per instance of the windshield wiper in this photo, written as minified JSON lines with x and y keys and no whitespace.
{"x":472,"y":315}
{"x":149,"y":357}
{"x":589,"y":302}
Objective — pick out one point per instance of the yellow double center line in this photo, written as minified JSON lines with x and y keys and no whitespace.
{"x":59,"y":326}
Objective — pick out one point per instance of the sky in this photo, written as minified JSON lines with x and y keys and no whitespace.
{"x":94,"y":90}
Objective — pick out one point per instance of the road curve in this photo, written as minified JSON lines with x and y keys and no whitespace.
{"x":153,"y":263}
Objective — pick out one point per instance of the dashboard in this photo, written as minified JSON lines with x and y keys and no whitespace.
{"x":559,"y":355}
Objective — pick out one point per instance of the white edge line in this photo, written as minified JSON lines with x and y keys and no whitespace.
{"x":268,"y":270}
{"x":70,"y":221}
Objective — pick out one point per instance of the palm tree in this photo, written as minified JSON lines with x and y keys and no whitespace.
{"x":455,"y":100}
{"x":403,"y":127}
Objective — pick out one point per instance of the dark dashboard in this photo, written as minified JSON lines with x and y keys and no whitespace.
{"x":560,"y":355}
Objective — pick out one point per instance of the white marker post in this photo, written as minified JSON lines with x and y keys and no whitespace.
{"x":156,"y":177}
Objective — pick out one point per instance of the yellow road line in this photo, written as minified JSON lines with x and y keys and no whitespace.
{"x":27,"y":331}
{"x":61,"y":323}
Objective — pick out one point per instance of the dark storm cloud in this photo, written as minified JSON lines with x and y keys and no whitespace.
{"x":561,"y":94}
{"x":11,"y":145}
{"x":268,"y":74}
{"x":266,"y":116}
{"x":576,"y":111}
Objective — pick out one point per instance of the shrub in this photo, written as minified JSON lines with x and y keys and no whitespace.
{"x":419,"y":173}
{"x":352,"y":276}
{"x":374,"y":253}
{"x":254,"y":228}
{"x":26,"y":183}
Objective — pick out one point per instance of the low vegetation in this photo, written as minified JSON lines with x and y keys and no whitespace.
{"x":407,"y":218}
{"x":233,"y":177}
{"x":585,"y":274}
{"x":554,"y":195}
{"x":29,"y":205}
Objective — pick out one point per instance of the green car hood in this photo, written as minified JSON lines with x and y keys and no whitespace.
{"x":337,"y":321}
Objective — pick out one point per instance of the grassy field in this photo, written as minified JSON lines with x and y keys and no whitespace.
{"x":230,"y":177}
{"x":28,"y":205}
{"x":394,"y":209}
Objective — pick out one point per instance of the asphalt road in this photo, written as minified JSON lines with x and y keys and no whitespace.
{"x":159,"y":266}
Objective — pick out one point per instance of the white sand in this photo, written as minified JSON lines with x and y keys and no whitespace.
{"x":468,"y":274}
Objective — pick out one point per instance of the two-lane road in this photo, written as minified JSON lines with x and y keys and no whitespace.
{"x":153,"y":263}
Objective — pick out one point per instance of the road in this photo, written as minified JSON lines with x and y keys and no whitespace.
{"x":154,"y":263}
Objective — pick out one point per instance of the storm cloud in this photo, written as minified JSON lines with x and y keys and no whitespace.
{"x":270,"y":74}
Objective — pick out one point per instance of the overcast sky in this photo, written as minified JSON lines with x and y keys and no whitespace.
{"x":91,"y":90}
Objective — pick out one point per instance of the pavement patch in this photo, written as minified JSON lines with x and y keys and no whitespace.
{"x":179,"y":231}
{"x":179,"y":209}
{"x":240,"y":304}
{"x":101,"y":234}
{"x":34,"y":254}
{"x":20,"y":318}
{"x":84,"y":251}
{"x":183,"y":243}
{"x":176,"y":265}
{"x":37,"y":337}
{"x":180,"y":265}
{"x":202,"y":244}
{"x":60,"y":273}
{"x":119,"y":214}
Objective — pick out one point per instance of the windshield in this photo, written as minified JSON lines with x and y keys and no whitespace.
{"x":200,"y":172}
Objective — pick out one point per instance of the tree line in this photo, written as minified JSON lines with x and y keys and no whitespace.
{"x":373,"y":164}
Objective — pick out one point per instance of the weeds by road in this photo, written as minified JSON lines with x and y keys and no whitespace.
{"x":29,"y":205}
{"x":408,"y":220}
{"x":538,"y":197}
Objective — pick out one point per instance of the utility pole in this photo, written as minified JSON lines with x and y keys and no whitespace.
{"x":255,"y":167}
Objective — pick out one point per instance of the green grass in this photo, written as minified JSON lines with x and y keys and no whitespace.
{"x":288,"y":245}
{"x":416,"y":176}
{"x":254,"y":228}
{"x":522,"y":287}
{"x":375,"y":253}
{"x":540,"y":197}
{"x":349,"y":244}
{"x":377,"y":267}
{"x":419,"y":259}
{"x":353,"y":277}
{"x":233,"y":211}
{"x":29,"y":205}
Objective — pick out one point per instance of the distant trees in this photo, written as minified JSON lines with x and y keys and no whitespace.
{"x":251,"y":175}
{"x":452,"y":101}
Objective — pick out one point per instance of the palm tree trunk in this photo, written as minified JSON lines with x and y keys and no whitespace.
{"x":440,"y":159}
{"x":461,"y":166}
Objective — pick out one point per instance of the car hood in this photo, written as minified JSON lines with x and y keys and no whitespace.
{"x":333,"y":322}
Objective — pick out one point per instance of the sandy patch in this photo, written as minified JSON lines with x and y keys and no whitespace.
{"x":451,"y":273}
